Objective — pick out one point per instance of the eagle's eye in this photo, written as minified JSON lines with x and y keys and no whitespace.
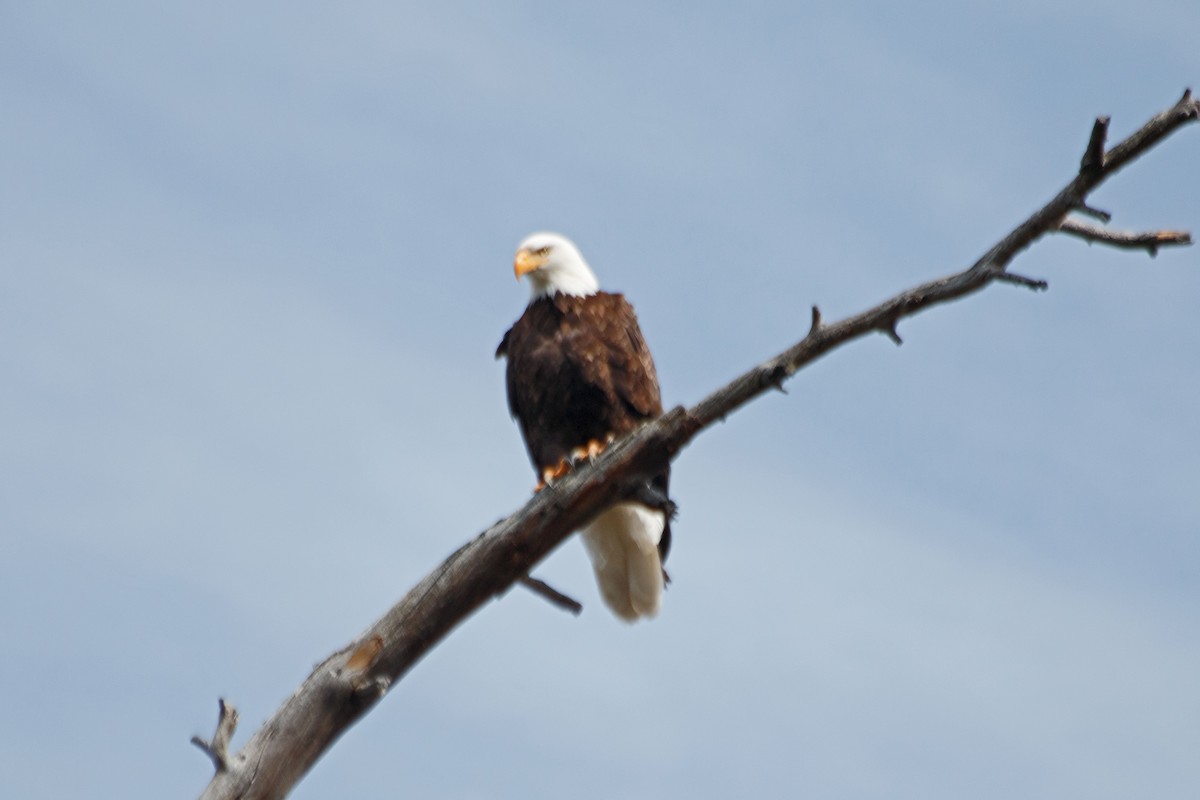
{"x":542,"y":252}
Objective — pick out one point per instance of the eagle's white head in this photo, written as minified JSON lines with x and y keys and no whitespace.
{"x":554,"y":264}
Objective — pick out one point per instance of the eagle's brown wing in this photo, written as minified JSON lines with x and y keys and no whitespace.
{"x":610,"y":353}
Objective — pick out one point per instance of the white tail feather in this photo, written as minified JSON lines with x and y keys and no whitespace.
{"x":623,"y":545}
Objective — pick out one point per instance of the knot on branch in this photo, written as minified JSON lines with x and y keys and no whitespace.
{"x":774,"y":374}
{"x":365,"y":655}
{"x":367,"y":693}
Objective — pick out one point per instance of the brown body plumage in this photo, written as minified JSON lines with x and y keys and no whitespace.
{"x":579,"y":370}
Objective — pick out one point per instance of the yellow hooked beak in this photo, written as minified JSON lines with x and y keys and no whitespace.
{"x":527,"y":261}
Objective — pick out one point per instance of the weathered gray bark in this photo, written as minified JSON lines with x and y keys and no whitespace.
{"x":349,"y":682}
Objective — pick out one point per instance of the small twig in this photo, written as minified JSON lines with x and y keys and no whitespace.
{"x":1093,"y":157}
{"x":552,"y":595}
{"x":889,"y":328}
{"x":1036,"y":284}
{"x":1094,"y":213}
{"x":218,"y":749}
{"x":1149,"y":241}
{"x":816,"y":321}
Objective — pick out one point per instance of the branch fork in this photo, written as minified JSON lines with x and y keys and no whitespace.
{"x":218,"y":748}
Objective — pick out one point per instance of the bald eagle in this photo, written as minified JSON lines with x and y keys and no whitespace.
{"x":579,"y":376}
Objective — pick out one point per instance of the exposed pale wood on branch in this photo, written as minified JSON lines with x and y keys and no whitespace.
{"x":349,"y":682}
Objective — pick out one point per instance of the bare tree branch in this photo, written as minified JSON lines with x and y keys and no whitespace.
{"x":349,"y":682}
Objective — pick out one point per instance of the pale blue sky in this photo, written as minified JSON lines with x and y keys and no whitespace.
{"x":254,"y":263}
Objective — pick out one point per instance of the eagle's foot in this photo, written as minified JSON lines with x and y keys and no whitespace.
{"x":589,"y":451}
{"x":551,"y":474}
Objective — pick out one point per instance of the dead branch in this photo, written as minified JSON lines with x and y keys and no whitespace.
{"x":348,"y":683}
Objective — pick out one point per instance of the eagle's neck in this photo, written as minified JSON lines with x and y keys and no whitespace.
{"x":574,"y":279}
